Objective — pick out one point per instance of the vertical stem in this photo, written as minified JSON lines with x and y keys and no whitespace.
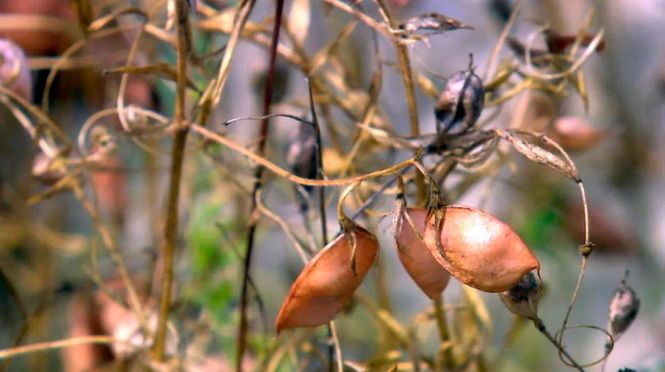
{"x":173,"y":195}
{"x":407,"y":79}
{"x":444,"y":333}
{"x":263,"y":135}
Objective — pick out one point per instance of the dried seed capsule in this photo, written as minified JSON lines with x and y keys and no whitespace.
{"x":478,"y":249}
{"x":623,"y":310}
{"x":417,"y":259}
{"x":522,"y":299}
{"x":301,"y":156}
{"x":460,"y":104}
{"x":14,"y":70}
{"x":327,"y":282}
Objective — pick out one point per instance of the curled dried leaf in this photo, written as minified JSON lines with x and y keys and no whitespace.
{"x":431,"y":23}
{"x":430,"y":277}
{"x":478,"y":249}
{"x":327,"y":282}
{"x":539,"y":154}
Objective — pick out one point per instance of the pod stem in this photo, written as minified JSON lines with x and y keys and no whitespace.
{"x":542,"y":329}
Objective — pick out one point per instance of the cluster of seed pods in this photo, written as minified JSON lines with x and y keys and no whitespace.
{"x":471,"y":245}
{"x":447,"y":240}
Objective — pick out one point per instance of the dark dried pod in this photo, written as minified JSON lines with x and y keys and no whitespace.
{"x":623,"y":309}
{"x":301,"y":156}
{"x":522,"y":299}
{"x":460,"y":103}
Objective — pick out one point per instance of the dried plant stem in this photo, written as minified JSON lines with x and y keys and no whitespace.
{"x":369,"y":21}
{"x":173,"y":194}
{"x":241,"y":340}
{"x":541,"y":327}
{"x":442,"y":327}
{"x":133,"y":298}
{"x":407,"y":79}
{"x":52,"y":345}
{"x":336,"y":346}
{"x":208,"y":134}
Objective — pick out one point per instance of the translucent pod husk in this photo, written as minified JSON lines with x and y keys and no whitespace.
{"x":328,"y":281}
{"x":416,"y":258}
{"x":478,"y":249}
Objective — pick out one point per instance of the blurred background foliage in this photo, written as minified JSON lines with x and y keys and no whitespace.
{"x":56,"y":280}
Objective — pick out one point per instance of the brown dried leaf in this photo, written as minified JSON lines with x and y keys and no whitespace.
{"x":539,"y":154}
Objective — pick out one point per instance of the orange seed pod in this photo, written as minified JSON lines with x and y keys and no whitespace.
{"x":327,"y":283}
{"x":416,"y":258}
{"x":478,"y":249}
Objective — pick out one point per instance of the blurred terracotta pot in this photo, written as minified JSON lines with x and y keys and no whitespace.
{"x":431,"y":277}
{"x":478,"y":249}
{"x":327,"y":283}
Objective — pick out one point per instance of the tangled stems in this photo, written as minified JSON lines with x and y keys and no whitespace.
{"x":210,"y":135}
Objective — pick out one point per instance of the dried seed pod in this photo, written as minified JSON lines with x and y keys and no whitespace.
{"x":301,"y":156}
{"x":478,"y":249}
{"x":460,"y":103}
{"x":416,"y":258}
{"x":14,"y":70}
{"x":431,"y":23}
{"x":575,"y":134}
{"x":522,"y":299}
{"x":623,"y":310}
{"x":327,"y":283}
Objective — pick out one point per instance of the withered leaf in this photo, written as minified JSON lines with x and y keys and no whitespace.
{"x":432,"y":23}
{"x":539,"y":154}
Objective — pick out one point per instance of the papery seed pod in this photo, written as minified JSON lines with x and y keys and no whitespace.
{"x":623,"y":309}
{"x":522,"y":299}
{"x":575,"y":134}
{"x":327,"y":283}
{"x":478,"y":249}
{"x":460,"y":103}
{"x":416,"y":258}
{"x":431,"y":23}
{"x":14,"y":69}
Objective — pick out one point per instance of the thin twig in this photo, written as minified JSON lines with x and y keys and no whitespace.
{"x":52,"y":345}
{"x":541,"y":327}
{"x":292,"y":177}
{"x":241,"y":340}
{"x":409,"y":91}
{"x":177,"y":157}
